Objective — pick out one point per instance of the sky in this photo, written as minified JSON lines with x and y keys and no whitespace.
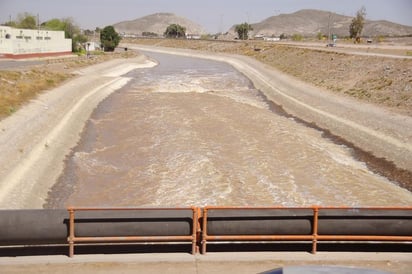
{"x":214,"y":15}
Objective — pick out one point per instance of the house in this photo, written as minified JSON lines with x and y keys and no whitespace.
{"x":26,"y":43}
{"x":271,"y":39}
{"x":259,"y":36}
{"x":92,"y":46}
{"x":193,"y":36}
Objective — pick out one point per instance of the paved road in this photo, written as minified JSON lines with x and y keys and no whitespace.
{"x":228,"y":262}
{"x":12,"y":64}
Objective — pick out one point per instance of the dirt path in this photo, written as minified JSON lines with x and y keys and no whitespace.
{"x":35,"y":140}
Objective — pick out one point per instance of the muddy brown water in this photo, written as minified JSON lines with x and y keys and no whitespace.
{"x":196,"y":132}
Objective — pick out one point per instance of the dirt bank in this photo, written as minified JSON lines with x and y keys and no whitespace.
{"x":23,"y":80}
{"x":35,"y":139}
{"x":372,"y":78}
{"x":51,"y":124}
{"x":374,"y":129}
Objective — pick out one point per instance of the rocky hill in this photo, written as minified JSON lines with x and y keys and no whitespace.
{"x":304,"y":22}
{"x":311,"y":22}
{"x":157,"y":23}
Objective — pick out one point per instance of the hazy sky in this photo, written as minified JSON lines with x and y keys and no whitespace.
{"x":213,"y":15}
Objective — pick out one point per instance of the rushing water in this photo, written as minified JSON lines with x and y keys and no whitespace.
{"x":196,"y":132}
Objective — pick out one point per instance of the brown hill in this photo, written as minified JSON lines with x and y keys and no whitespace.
{"x":311,"y":22}
{"x":157,"y":23}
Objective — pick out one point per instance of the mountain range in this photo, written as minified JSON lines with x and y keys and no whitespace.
{"x":157,"y":24}
{"x":304,"y":22}
{"x":311,"y":22}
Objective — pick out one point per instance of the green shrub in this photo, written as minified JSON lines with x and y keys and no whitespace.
{"x":297,"y":37}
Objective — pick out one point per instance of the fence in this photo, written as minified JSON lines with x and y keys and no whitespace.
{"x":314,"y":224}
{"x":199,"y":227}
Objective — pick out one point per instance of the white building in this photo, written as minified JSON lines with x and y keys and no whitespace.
{"x":92,"y":46}
{"x":24,"y":43}
{"x":193,"y":36}
{"x":271,"y":39}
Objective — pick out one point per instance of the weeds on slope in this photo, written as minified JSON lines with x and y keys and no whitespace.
{"x":18,"y":87}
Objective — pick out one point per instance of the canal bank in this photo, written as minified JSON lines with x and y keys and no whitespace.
{"x":196,"y":132}
{"x":35,"y":140}
{"x":382,"y":135}
{"x":392,"y":128}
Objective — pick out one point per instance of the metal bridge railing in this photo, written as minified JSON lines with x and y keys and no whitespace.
{"x":178,"y":235}
{"x":199,"y":227}
{"x":305,"y":224}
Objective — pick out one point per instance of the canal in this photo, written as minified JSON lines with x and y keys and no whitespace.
{"x":196,"y":132}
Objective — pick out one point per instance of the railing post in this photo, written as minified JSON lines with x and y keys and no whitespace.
{"x":204,"y":230}
{"x":71,"y":232}
{"x":194,"y":230}
{"x":315,"y":229}
{"x":199,"y":218}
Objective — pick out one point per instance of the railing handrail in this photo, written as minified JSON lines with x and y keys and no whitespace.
{"x":72,"y":238}
{"x":311,"y":207}
{"x":127,"y":208}
{"x":314,"y":237}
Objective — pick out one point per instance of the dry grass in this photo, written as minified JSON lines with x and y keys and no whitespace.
{"x":18,"y":87}
{"x":68,"y":64}
{"x":22,"y":85}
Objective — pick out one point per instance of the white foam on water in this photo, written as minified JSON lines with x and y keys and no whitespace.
{"x":192,"y":137}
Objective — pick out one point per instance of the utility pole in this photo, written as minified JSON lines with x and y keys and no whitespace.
{"x":329,"y":27}
{"x":221,"y":24}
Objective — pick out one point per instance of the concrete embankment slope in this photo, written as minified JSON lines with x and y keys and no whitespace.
{"x":373,"y":129}
{"x":35,"y":140}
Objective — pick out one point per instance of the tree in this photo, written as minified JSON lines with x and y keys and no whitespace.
{"x":175,"y":31}
{"x":243,"y":30}
{"x":53,"y":24}
{"x":149,"y":34}
{"x":71,"y":31}
{"x":109,"y":38}
{"x":27,"y":21}
{"x":78,"y":42}
{"x":12,"y":24}
{"x":356,"y":26}
{"x":70,"y":28}
{"x":297,"y":37}
{"x":88,"y":32}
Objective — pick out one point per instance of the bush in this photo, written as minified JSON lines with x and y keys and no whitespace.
{"x":175,"y":31}
{"x":283,"y":36}
{"x":243,"y":30}
{"x":109,"y":38}
{"x":297,"y":37}
{"x":149,"y":34}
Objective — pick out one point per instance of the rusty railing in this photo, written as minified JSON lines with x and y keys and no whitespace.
{"x":313,"y":237}
{"x":72,"y":238}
